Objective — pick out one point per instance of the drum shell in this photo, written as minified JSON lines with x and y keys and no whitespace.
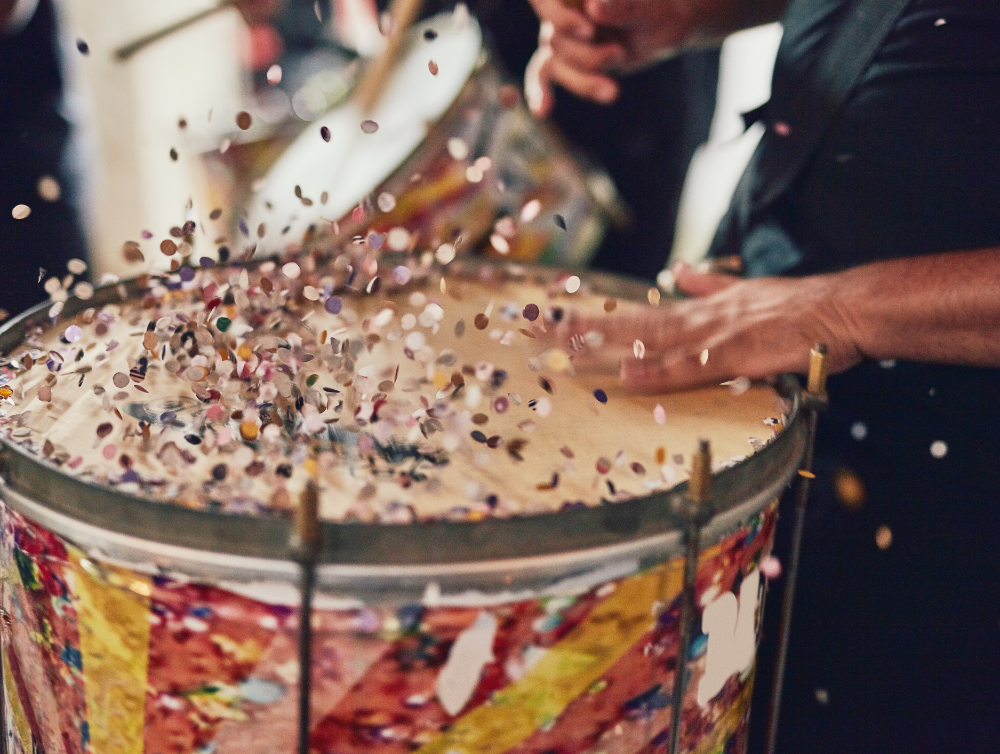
{"x":435,"y":200}
{"x":198,"y":653}
{"x":131,"y":637}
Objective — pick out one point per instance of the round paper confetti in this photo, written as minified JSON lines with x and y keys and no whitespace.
{"x":291,"y":270}
{"x":770,"y":566}
{"x":334,"y":304}
{"x":48,"y":188}
{"x":274,"y":74}
{"x":601,"y":396}
{"x":243,"y":120}
{"x":939,"y":448}
{"x":530,"y":210}
{"x":386,"y":202}
{"x":883,"y":537}
{"x":73,"y":333}
{"x":369,"y":126}
{"x":572,"y":284}
{"x":120,"y":380}
{"x":457,"y":148}
{"x":659,"y":414}
{"x":432,"y":67}
{"x":639,"y":349}
{"x":44,"y":393}
{"x":21,"y":211}
{"x":859,"y":431}
{"x":530,"y":312}
{"x":324,"y":133}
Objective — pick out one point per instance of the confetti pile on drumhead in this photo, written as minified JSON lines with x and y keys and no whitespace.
{"x":411,"y":391}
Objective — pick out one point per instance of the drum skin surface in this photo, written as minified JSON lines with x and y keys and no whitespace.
{"x":546,"y":629}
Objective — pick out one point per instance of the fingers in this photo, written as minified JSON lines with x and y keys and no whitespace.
{"x":657,"y":328}
{"x":564,"y":18}
{"x":698,"y":284}
{"x":592,"y":86}
{"x":538,"y":83}
{"x":612,"y":12}
{"x":587,"y":56}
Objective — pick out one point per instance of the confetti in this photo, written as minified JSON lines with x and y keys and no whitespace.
{"x":168,"y":247}
{"x":530,"y":312}
{"x":324,"y":133}
{"x":73,"y":333}
{"x":120,"y":380}
{"x":859,"y":431}
{"x":369,"y":126}
{"x":432,"y":67}
{"x":430,"y":35}
{"x":560,"y":221}
{"x":883,"y":537}
{"x":82,"y":47}
{"x":572,"y":284}
{"x":48,"y":188}
{"x":481,"y":321}
{"x":45,"y":393}
{"x":939,"y":449}
{"x":457,"y":148}
{"x":601,"y":396}
{"x":386,"y":202}
{"x":659,"y":416}
{"x":653,"y":296}
{"x":76,"y":266}
{"x":639,"y":349}
{"x":703,"y":357}
{"x":334,"y":304}
{"x":20,"y":211}
{"x":243,"y":120}
{"x":173,"y":154}
{"x":274,"y":75}
{"x":770,"y":566}
{"x":610,"y":305}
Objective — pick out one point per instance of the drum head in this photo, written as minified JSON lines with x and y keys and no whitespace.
{"x":319,"y":181}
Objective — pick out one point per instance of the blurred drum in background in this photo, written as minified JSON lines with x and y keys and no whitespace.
{"x":450,"y":156}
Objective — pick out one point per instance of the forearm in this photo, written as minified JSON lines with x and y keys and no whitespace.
{"x":941,"y":308}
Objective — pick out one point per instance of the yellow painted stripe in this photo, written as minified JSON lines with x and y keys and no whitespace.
{"x":566,"y":670}
{"x":114,"y":642}
{"x":17,"y":711}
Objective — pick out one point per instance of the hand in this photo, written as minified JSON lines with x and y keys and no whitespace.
{"x":578,"y":48}
{"x":755,"y":328}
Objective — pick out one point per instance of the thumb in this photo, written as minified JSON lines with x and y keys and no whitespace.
{"x":696,"y":283}
{"x":537,"y":83}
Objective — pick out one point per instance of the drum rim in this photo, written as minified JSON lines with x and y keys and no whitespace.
{"x":761,"y":475}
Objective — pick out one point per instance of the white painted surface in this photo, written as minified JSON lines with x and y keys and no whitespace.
{"x":469,"y":654}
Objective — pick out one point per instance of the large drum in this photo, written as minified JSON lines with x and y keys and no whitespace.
{"x":450,"y":155}
{"x":502,"y":558}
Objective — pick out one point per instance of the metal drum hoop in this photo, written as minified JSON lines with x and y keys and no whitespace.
{"x":648,"y":528}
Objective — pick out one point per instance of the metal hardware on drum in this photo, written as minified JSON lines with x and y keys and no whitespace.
{"x":814,"y":400}
{"x":307,"y":541}
{"x":696,"y":514}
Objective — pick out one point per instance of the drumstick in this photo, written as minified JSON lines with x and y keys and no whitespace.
{"x":124,"y":52}
{"x":403,"y":13}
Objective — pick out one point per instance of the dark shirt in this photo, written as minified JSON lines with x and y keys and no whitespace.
{"x":34,"y":138}
{"x":895,"y":649}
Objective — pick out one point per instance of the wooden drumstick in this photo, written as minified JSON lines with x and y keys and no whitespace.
{"x":126,"y":51}
{"x":370,"y":88}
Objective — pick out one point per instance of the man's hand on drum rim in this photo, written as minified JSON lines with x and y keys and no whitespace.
{"x":756,"y":328}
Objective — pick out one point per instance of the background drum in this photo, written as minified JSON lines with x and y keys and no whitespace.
{"x":450,"y":155}
{"x":142,"y":625}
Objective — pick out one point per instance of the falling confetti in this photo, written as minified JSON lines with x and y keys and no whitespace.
{"x":324,"y":133}
{"x":560,"y":221}
{"x":243,"y":120}
{"x":173,"y":154}
{"x":20,"y":211}
{"x":432,"y":67}
{"x":48,"y":188}
{"x":883,"y":537}
{"x":274,"y":75}
{"x":659,"y":415}
{"x":369,"y":126}
{"x":703,"y":357}
{"x":572,"y":284}
{"x":639,"y":349}
{"x":770,"y":566}
{"x":939,"y":449}
{"x":82,"y":47}
{"x":601,"y":396}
